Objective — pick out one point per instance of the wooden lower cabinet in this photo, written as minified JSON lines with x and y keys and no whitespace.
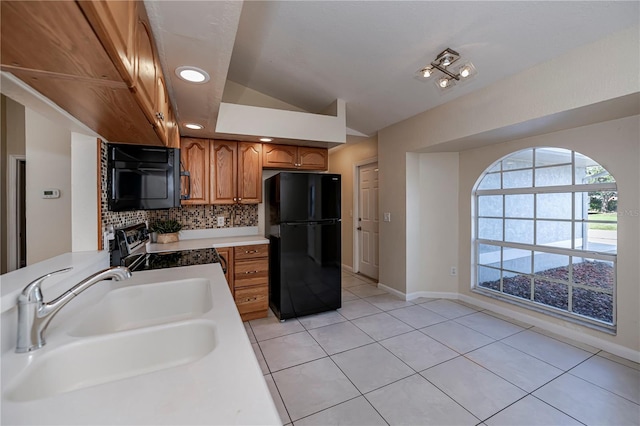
{"x":252,"y":302}
{"x":226,"y":253}
{"x":248,"y":278}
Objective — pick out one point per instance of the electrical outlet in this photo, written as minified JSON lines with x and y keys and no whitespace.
{"x":387,"y":217}
{"x":454,"y":271}
{"x":220,"y":221}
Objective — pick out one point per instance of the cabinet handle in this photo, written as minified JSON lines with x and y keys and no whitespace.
{"x":235,"y":199}
{"x":250,"y":251}
{"x":160,"y":116}
{"x":239,"y":199}
{"x":251,"y":272}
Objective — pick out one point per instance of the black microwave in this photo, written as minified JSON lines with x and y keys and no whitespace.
{"x":142,"y":177}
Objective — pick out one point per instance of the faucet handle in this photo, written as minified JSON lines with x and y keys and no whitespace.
{"x":32,"y":292}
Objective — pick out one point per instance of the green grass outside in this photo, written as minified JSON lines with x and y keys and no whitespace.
{"x":608,"y":217}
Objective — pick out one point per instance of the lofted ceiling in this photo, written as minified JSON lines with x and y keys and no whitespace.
{"x":310,"y":53}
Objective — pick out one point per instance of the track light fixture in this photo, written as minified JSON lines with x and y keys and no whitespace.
{"x":444,"y":63}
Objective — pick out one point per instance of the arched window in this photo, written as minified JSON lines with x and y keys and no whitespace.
{"x":545,"y":234}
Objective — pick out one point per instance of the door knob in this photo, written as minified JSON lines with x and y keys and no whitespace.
{"x":359,"y":228}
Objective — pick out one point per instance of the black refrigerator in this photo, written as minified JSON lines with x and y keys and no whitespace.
{"x":302,"y":223}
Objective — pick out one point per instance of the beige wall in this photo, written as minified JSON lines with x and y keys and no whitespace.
{"x":342,"y":160}
{"x":615,"y":145}
{"x":235,"y":93}
{"x":545,"y":95}
{"x":437,"y":237}
{"x":48,"y":151}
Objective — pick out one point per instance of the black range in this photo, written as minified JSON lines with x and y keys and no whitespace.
{"x":129,"y":249}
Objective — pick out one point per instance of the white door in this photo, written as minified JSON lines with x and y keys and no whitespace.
{"x":367,"y":224}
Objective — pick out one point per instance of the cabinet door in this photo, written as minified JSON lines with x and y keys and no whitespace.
{"x":173,"y":133}
{"x":279,"y":156}
{"x":313,"y":158}
{"x":33,"y":40}
{"x":249,"y":173}
{"x":115,"y":23}
{"x":224,"y":172}
{"x":145,"y":83}
{"x":227,"y":254}
{"x":194,"y":156}
{"x":162,"y":107}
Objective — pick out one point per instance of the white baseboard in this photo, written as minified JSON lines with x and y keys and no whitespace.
{"x":588,"y":339}
{"x":347,"y":268}
{"x":432,"y":295}
{"x":393,"y":291}
{"x":597,"y":342}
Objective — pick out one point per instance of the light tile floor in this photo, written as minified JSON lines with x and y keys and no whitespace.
{"x":381,"y":360}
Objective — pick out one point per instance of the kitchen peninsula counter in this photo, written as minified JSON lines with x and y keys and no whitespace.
{"x":225,"y":386}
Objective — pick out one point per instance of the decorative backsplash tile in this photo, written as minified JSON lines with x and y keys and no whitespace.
{"x":205,"y":217}
{"x":191,"y":217}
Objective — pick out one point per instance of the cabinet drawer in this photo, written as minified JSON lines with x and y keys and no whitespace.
{"x":252,"y":299}
{"x":251,"y":272}
{"x":252,"y":251}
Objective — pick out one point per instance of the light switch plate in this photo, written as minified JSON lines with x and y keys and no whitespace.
{"x":220,"y":221}
{"x":387,"y":217}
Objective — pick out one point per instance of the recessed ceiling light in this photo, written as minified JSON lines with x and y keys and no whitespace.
{"x":194,"y":126}
{"x":192,"y":74}
{"x":265,"y":139}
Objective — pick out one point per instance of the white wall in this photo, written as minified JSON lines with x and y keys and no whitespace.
{"x":84,"y":202}
{"x":48,"y":152}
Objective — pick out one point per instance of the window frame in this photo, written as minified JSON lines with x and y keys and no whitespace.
{"x":497,"y":168}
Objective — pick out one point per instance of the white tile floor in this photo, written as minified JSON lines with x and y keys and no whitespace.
{"x":380,"y":360}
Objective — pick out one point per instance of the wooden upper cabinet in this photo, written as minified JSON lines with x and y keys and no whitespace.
{"x":294,"y":157}
{"x":224,"y":172}
{"x":33,"y":40}
{"x":162,"y":109}
{"x":173,"y":132}
{"x":313,"y":158}
{"x":145,"y":84}
{"x":115,"y":24}
{"x":194,"y":157}
{"x":236,"y":172}
{"x":96,"y":60}
{"x":249,"y":173}
{"x":279,"y":156}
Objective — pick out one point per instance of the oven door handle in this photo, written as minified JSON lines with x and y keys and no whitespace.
{"x":224,"y":263}
{"x":137,"y":262}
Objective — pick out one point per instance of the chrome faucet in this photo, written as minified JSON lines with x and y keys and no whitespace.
{"x":34,"y":314}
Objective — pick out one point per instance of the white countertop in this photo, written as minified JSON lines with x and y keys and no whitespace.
{"x":226,"y":386}
{"x":83,"y":263}
{"x":199,"y":243}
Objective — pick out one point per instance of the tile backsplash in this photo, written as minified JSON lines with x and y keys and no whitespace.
{"x":205,"y":217}
{"x":191,"y":217}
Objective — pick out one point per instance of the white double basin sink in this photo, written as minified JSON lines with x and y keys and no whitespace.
{"x":159,"y":337}
{"x":125,"y":342}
